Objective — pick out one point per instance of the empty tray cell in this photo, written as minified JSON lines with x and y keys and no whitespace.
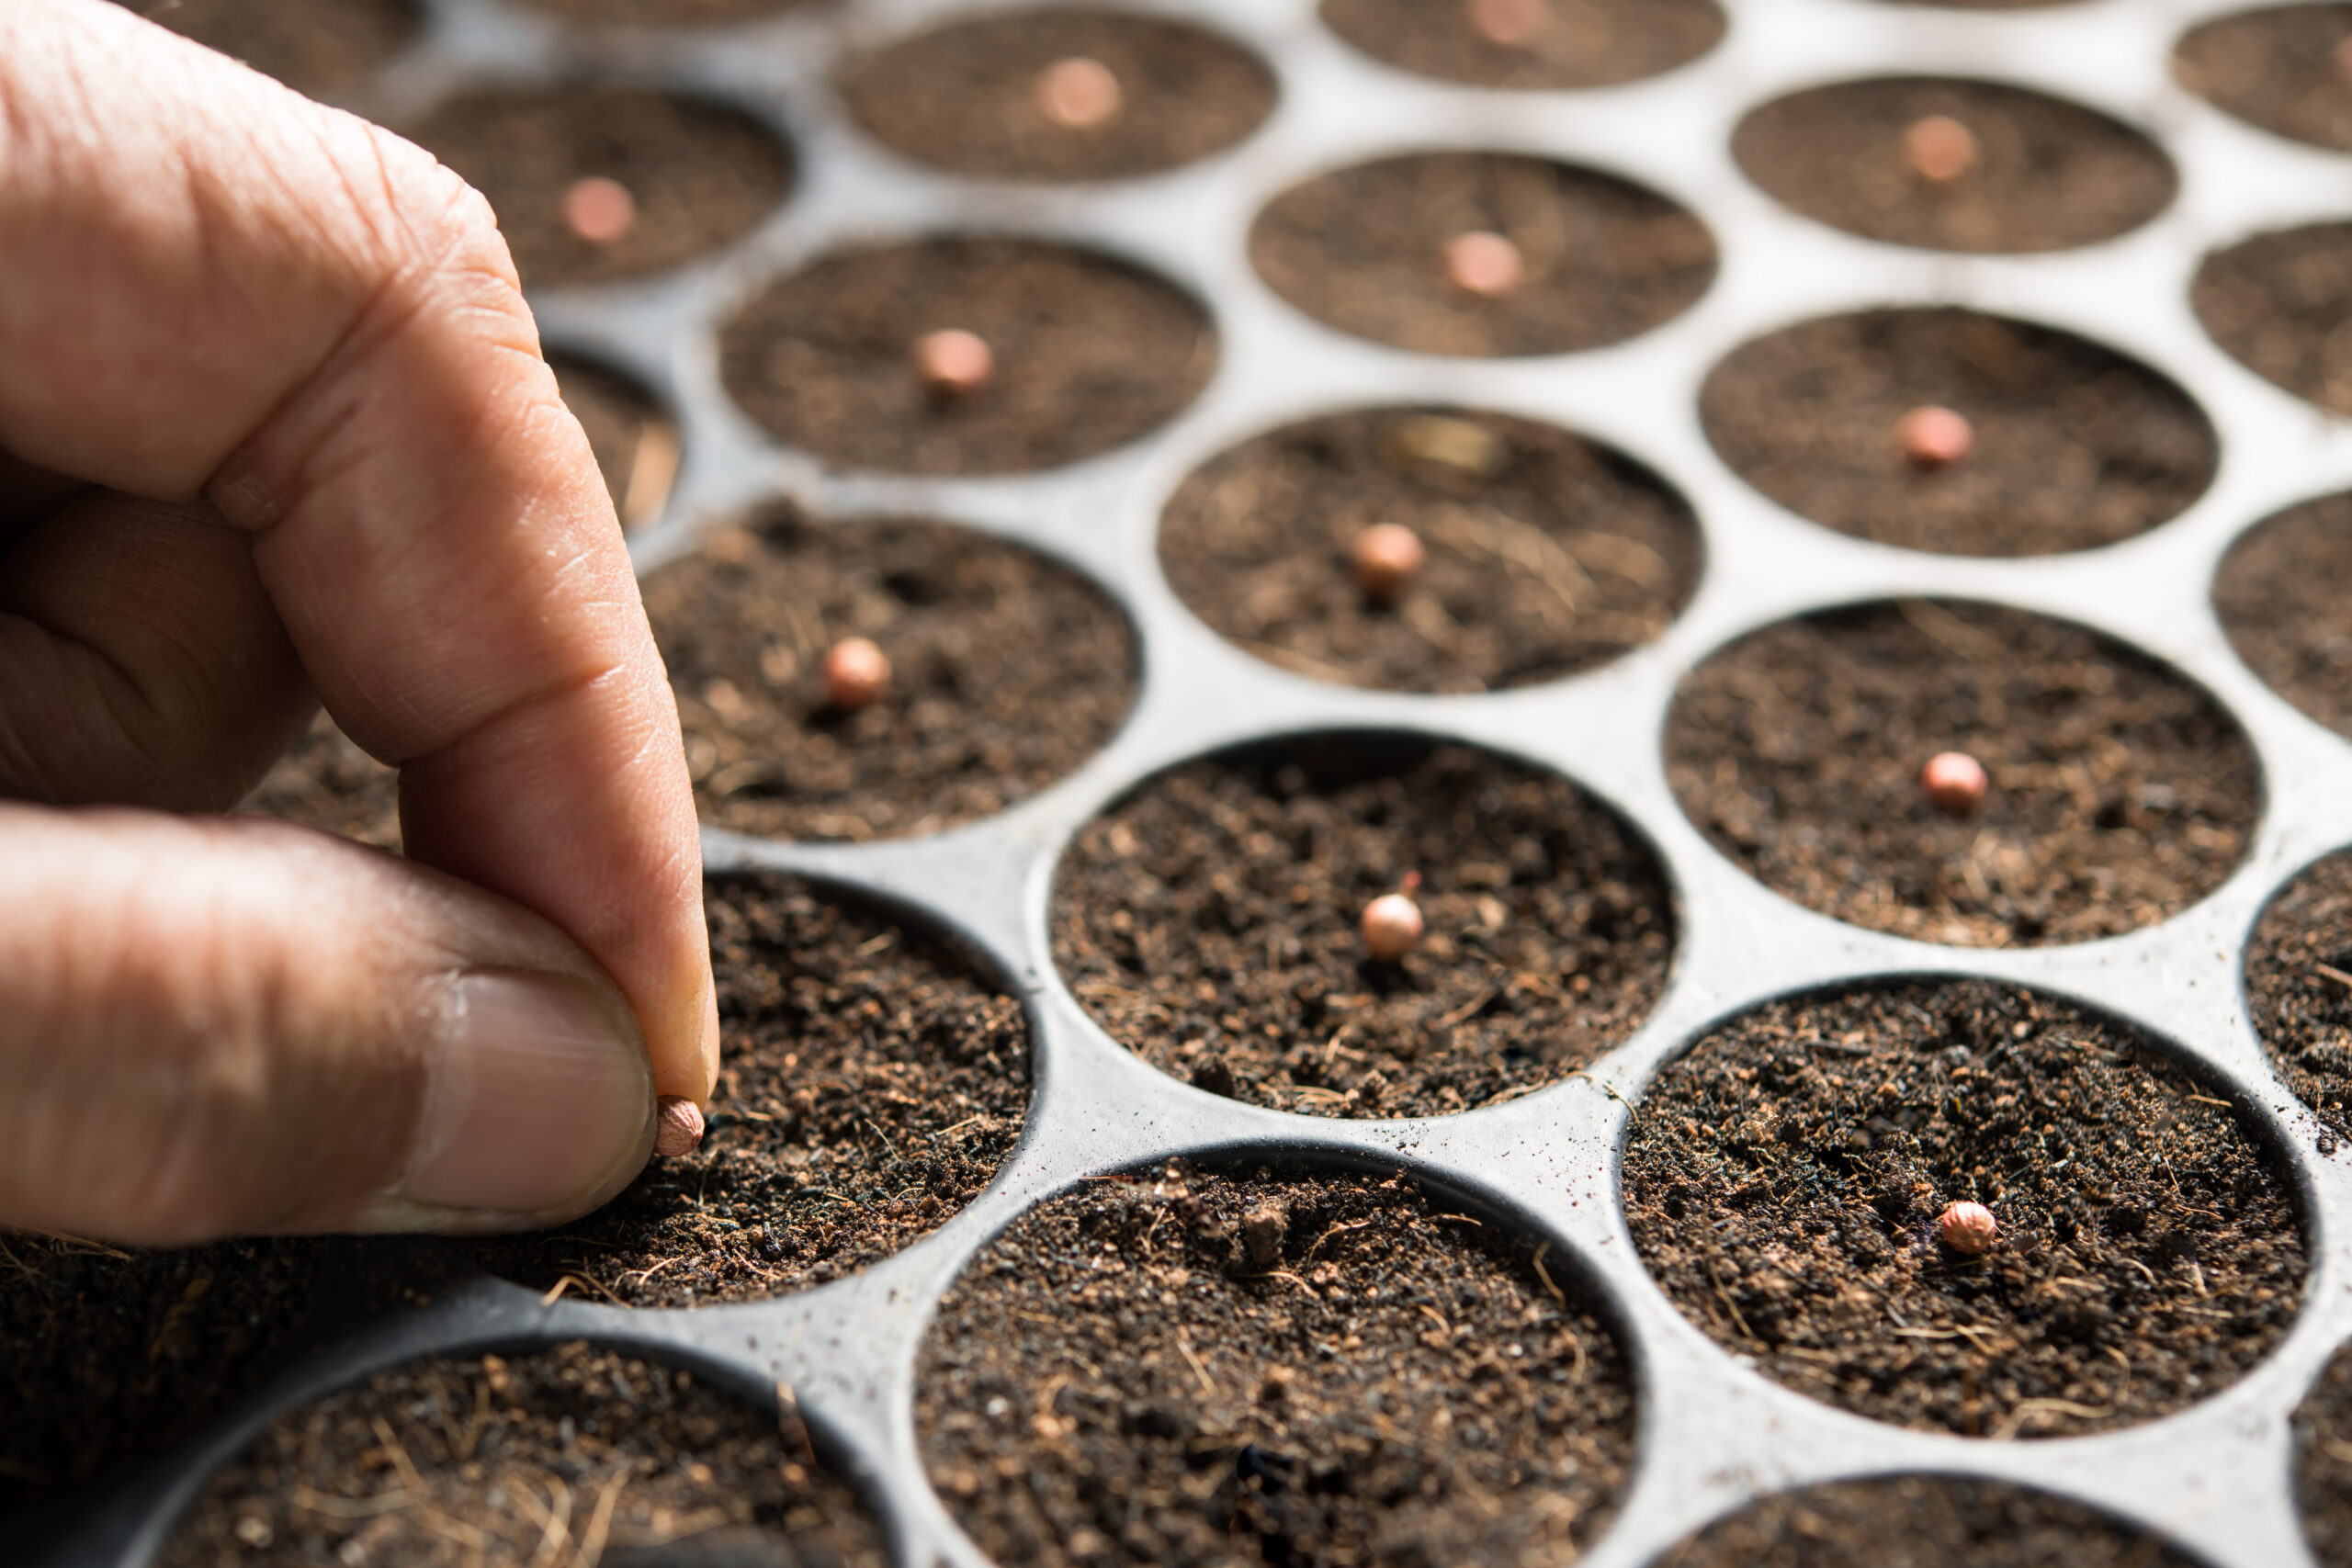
{"x":2299,"y":990}
{"x":1375,"y":251}
{"x":2115,"y":793}
{"x":1530,"y":43}
{"x":634,"y":440}
{"x":2027,"y":173}
{"x":1210,"y":922}
{"x":2280,"y":69}
{"x":320,"y":47}
{"x":1787,"y":1181}
{"x":572,"y":1454}
{"x":1060,"y":95}
{"x":1922,"y":1521}
{"x":2280,"y":304}
{"x":1007,"y":670}
{"x":1080,"y":354}
{"x":872,"y":1080}
{"x":1543,"y":553}
{"x":1186,"y":1369}
{"x":2322,"y":1428}
{"x":2063,"y":444}
{"x":2284,"y":594}
{"x":593,"y":183}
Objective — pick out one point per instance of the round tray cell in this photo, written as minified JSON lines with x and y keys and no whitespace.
{"x":1366,"y":250}
{"x":668,"y":13}
{"x":110,"y":1355}
{"x":1007,"y":671}
{"x":2048,"y":175}
{"x":1783,"y":1182}
{"x":2073,"y":445}
{"x":327,"y":781}
{"x":2277,"y":69}
{"x":319,"y":47}
{"x":1570,"y":43}
{"x":872,"y":1080}
{"x":2284,"y":594}
{"x":572,"y":1454}
{"x":1087,"y":353}
{"x":973,"y":95}
{"x":2322,"y":1428}
{"x":1922,"y":1521}
{"x":1209,"y":921}
{"x":1187,"y":1369}
{"x":634,"y":440}
{"x":2299,"y":990}
{"x":2118,"y":792}
{"x":698,"y":175}
{"x":1546,"y":553}
{"x":2280,"y":304}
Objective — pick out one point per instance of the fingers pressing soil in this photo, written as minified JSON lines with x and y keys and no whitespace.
{"x":2284,"y":594}
{"x":2299,"y":990}
{"x":1921,"y":1521}
{"x":2277,"y":69}
{"x":1196,"y":1369}
{"x":2279,"y":304}
{"x":1575,"y":43}
{"x":319,"y":47}
{"x":2322,"y":1427}
{"x":1783,"y":1179}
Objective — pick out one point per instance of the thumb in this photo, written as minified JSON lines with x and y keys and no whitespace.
{"x":237,"y":1026}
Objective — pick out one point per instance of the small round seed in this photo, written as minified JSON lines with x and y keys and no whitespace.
{"x":1933,"y":437}
{"x":1954,"y":781}
{"x":1483,"y":263}
{"x":1940,"y":150}
{"x":856,"y":672}
{"x":1387,"y":557}
{"x":952,"y":364}
{"x":599,"y":212}
{"x":1967,"y":1228}
{"x":677,"y":1126}
{"x":1078,"y":93}
{"x":1391,"y":927}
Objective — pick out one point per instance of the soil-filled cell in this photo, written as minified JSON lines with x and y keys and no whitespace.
{"x":1183,"y":1369}
{"x":698,"y":175}
{"x":573,"y":1454}
{"x":972,"y":96}
{"x":635,"y":442}
{"x":2072,"y":446}
{"x":1921,"y":1521}
{"x":1546,"y":553}
{"x":2046,"y":174}
{"x":2277,"y":69}
{"x":670,"y":13}
{"x":2284,"y":594}
{"x":2280,"y":304}
{"x":2117,"y":793}
{"x":319,"y":47}
{"x":2298,"y":987}
{"x":1087,"y":353}
{"x":1571,"y":43}
{"x":2322,"y":1428}
{"x":1209,"y":921}
{"x":1784,"y":1180}
{"x":1365,"y":250}
{"x":873,"y":1080}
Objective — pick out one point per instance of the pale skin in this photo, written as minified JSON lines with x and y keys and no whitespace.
{"x":274,"y":431}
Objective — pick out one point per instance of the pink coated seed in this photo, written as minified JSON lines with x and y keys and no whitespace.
{"x":1968,"y":1228}
{"x":952,"y":364}
{"x":1933,"y":437}
{"x":598,"y":210}
{"x":1940,"y":150}
{"x":1483,"y":263}
{"x":1078,"y":93}
{"x":1387,"y":557}
{"x":856,"y":674}
{"x":1391,"y":927}
{"x":1954,"y":781}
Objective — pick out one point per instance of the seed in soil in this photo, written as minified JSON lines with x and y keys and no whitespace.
{"x":2070,"y":446}
{"x":1604,"y":259}
{"x":322,"y":49}
{"x":599,"y":210}
{"x":1486,"y":265}
{"x":1955,"y":782}
{"x":1934,"y":437}
{"x":1387,"y":557}
{"x":856,"y":674}
{"x":1530,"y":44}
{"x":1391,"y":927}
{"x":2049,"y":175}
{"x":1967,"y":1228}
{"x":1940,"y":149}
{"x":952,"y":364}
{"x":1782,"y":1179}
{"x":1115,"y":1379}
{"x":569,"y":1454}
{"x":2284,"y":594}
{"x":1091,"y":353}
{"x":1922,"y":1521}
{"x":2322,"y":1431}
{"x":1007,"y":671}
{"x":1511,"y":22}
{"x":1543,"y":554}
{"x":875,"y":1078}
{"x":1078,"y":93}
{"x":2298,"y":987}
{"x":677,"y":1127}
{"x":2280,"y":304}
{"x":2283,"y":69}
{"x":2125,"y":792}
{"x":1209,"y":921}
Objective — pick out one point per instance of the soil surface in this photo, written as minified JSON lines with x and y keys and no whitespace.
{"x":963,"y":95}
{"x":1362,"y":250}
{"x":2323,"y":1427}
{"x":702,"y":175}
{"x":873,"y":1080}
{"x":319,"y":47}
{"x":2053,"y":174}
{"x":2275,"y":69}
{"x":1209,"y":922}
{"x":110,"y":1355}
{"x":2284,"y":594}
{"x":2299,"y":990}
{"x":1090,"y":355}
{"x":1783,"y":1178}
{"x":1008,"y":671}
{"x":1921,"y":1521}
{"x":327,"y":781}
{"x":1193,"y":1370}
{"x":2076,"y":446}
{"x":635,"y":442}
{"x":572,"y":1454}
{"x":2121,"y":793}
{"x":669,"y":13}
{"x":1548,"y":553}
{"x":1582,"y":43}
{"x":2280,"y":304}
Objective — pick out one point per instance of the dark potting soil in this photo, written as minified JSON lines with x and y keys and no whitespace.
{"x":1091,"y":353}
{"x":1921,"y":1521}
{"x":1209,"y":922}
{"x":327,"y":781}
{"x":702,"y":175}
{"x":2279,"y":304}
{"x":2274,"y":68}
{"x":2121,"y":793}
{"x":2322,"y":1428}
{"x":872,"y":1080}
{"x":1192,"y":1369}
{"x":2299,"y":988}
{"x":2053,"y":174}
{"x":2076,"y":446}
{"x":669,"y":13}
{"x":1363,"y":249}
{"x":1008,"y":671}
{"x":1582,"y":43}
{"x":319,"y":47}
{"x":635,"y":442}
{"x":109,"y":1356}
{"x":962,"y":96}
{"x":2284,"y":594}
{"x":1783,"y":1182}
{"x":1548,"y":553}
{"x":572,"y":1454}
